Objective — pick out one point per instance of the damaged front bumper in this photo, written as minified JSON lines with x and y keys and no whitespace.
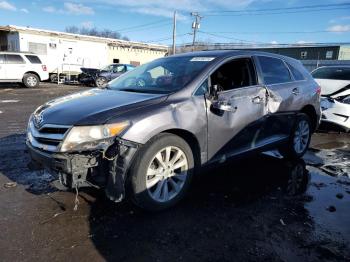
{"x":99,"y":168}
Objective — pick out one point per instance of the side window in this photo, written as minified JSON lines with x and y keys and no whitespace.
{"x":119,"y":69}
{"x":296,"y":73}
{"x":203,"y":88}
{"x":336,"y":73}
{"x":234,"y":74}
{"x":33,"y":59}
{"x":2,"y":59}
{"x":14,"y":59}
{"x":129,"y":68}
{"x":274,"y":71}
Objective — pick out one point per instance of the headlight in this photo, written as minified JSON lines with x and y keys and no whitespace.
{"x":88,"y":137}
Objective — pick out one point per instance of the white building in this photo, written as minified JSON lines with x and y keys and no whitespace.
{"x":68,"y":52}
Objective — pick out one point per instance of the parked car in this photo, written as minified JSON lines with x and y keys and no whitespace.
{"x":25,"y":68}
{"x":100,"y":77}
{"x":147,"y":133}
{"x":335,"y":91}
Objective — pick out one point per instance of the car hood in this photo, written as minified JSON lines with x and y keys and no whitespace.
{"x":93,"y":107}
{"x":330,"y":86}
{"x":89,"y":70}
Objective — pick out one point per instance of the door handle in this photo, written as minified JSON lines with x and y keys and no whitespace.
{"x":295,"y":91}
{"x":257,"y":100}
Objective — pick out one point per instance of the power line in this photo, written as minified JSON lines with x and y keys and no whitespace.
{"x":147,"y":28}
{"x":164,"y":38}
{"x":275,"y":32}
{"x":278,"y":13}
{"x":230,"y":38}
{"x":279,"y":9}
{"x":142,"y":25}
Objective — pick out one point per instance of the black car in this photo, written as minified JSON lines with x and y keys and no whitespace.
{"x":100,"y":77}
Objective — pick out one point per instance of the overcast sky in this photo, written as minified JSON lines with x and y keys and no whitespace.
{"x":332,"y":24}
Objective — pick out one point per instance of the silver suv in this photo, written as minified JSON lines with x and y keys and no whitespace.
{"x":146,"y":134}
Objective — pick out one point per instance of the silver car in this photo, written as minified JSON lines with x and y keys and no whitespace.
{"x":149,"y":131}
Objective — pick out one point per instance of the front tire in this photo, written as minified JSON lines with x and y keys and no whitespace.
{"x":101,"y":82}
{"x":31,"y":80}
{"x":161,"y":172}
{"x":299,"y":140}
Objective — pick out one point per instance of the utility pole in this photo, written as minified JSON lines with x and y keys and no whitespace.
{"x":174,"y":33}
{"x":195,"y":26}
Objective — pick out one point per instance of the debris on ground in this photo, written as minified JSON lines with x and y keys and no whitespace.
{"x":10,"y":184}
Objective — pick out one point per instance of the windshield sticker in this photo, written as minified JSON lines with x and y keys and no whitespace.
{"x":202,"y":59}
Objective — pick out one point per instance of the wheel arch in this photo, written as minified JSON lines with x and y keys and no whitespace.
{"x":33,"y":73}
{"x":191,"y":140}
{"x":310,"y":111}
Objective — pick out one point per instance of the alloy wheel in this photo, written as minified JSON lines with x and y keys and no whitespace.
{"x":301,"y":136}
{"x":166,"y":174}
{"x":32,"y":81}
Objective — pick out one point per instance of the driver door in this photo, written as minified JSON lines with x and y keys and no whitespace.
{"x":237,"y":113}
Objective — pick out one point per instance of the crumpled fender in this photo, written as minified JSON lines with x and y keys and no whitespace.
{"x":120,"y":157}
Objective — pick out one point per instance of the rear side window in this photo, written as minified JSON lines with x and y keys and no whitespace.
{"x":335,"y":73}
{"x":33,"y":59}
{"x":296,"y":73}
{"x":14,"y":59}
{"x":2,"y":59}
{"x":274,"y":71}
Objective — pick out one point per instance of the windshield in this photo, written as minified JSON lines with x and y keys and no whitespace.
{"x":161,"y":76}
{"x":335,"y":73}
{"x":107,"y":68}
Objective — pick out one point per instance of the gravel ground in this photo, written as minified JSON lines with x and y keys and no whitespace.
{"x":272,"y":210}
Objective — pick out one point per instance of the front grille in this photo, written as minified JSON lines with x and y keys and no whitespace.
{"x":48,"y":137}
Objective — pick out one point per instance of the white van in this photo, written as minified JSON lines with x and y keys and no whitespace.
{"x":25,"y":68}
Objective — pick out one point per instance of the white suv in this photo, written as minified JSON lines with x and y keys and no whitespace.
{"x":23,"y":68}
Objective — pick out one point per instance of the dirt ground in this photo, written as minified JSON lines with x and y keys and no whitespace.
{"x":260,"y":209}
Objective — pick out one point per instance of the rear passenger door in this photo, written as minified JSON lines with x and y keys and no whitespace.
{"x":282,"y":92}
{"x":15,"y":67}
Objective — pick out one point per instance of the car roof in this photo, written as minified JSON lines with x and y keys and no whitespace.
{"x":228,"y":53}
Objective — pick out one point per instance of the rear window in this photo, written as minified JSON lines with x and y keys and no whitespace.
{"x":33,"y":59}
{"x":296,"y":73}
{"x":335,"y":73}
{"x":14,"y":59}
{"x":274,"y":71}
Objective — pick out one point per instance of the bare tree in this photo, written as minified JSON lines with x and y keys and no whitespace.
{"x":95,"y":32}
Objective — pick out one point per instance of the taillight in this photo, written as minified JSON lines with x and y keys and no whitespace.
{"x":44,"y":67}
{"x":318,"y":90}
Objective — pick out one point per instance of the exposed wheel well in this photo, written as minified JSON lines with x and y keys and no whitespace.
{"x":310,"y":111}
{"x":34,"y":73}
{"x":191,"y":140}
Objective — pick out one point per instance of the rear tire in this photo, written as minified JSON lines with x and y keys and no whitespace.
{"x":161,"y":172}
{"x":31,"y":80}
{"x":299,"y":139}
